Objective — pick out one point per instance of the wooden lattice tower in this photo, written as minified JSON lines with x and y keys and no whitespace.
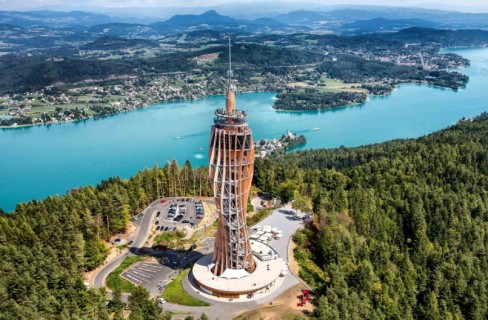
{"x":231,"y":154}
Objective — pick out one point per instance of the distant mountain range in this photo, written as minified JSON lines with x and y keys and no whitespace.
{"x":385,"y":25}
{"x":213,"y":20}
{"x":333,"y":19}
{"x":341,"y":21}
{"x":339,"y":17}
{"x":134,"y":27}
{"x":209,"y":17}
{"x":55,"y":19}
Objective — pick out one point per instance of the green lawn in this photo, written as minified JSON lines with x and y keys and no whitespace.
{"x":175,"y":292}
{"x":114,"y":280}
{"x":167,"y":237}
{"x":258,"y":217}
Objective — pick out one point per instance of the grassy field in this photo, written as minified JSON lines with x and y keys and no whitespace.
{"x":175,"y":292}
{"x":170,"y":239}
{"x":330,"y":85}
{"x":114,"y":280}
{"x":207,"y":58}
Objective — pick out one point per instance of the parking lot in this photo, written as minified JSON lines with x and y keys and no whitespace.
{"x":154,"y":276}
{"x":179,"y":213}
{"x":145,"y":273}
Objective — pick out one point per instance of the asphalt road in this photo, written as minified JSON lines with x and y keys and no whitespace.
{"x":145,"y":227}
{"x":139,"y":241}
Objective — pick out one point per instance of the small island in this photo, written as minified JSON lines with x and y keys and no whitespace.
{"x":312,"y":99}
{"x":288,"y":141}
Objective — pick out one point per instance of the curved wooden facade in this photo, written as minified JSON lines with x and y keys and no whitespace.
{"x":231,"y":154}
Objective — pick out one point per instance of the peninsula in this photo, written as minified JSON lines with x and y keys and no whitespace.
{"x":288,"y":141}
{"x":309,"y":72}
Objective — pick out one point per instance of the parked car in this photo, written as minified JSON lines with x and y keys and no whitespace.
{"x":185,"y":221}
{"x":163,"y":201}
{"x":131,"y":242}
{"x":158,"y":213}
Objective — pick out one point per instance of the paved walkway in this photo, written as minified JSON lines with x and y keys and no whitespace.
{"x":281,"y":219}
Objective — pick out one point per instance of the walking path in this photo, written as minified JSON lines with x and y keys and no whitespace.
{"x":225,"y":309}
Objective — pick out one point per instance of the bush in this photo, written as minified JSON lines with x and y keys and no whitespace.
{"x":258,"y":216}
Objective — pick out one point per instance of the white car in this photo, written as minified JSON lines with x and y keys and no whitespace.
{"x":161,"y":301}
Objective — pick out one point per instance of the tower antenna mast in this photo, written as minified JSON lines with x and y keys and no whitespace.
{"x":230,"y":65}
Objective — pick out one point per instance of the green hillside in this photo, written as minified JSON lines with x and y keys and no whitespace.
{"x":400,"y":228}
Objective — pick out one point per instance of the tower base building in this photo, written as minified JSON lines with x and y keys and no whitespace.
{"x":269,"y":267}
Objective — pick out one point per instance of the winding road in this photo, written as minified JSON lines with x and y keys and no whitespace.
{"x":139,"y":241}
{"x":219,"y":309}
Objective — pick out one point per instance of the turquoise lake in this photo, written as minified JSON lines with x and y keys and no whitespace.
{"x":45,"y":160}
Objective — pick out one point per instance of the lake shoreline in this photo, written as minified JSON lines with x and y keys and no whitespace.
{"x":48,"y":160}
{"x":122,"y":111}
{"x":421,"y":83}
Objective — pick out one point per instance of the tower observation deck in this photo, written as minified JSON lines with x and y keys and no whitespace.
{"x":231,"y":168}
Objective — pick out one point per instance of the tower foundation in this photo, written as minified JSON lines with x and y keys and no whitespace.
{"x":237,"y":285}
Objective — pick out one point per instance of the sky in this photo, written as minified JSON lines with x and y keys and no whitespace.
{"x":464,"y":5}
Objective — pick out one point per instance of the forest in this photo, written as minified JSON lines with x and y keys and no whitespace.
{"x":46,"y":245}
{"x":443,"y":37}
{"x":312,"y":99}
{"x":117,"y":43}
{"x":21,"y":74}
{"x":400,"y":228}
{"x":351,"y":69}
{"x":399,"y":231}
